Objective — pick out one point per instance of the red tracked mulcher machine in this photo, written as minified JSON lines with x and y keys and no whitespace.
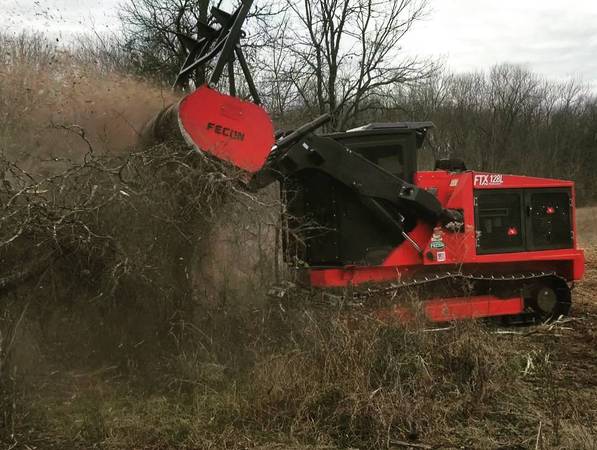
{"x":361,"y":215}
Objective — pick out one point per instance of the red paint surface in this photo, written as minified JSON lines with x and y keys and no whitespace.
{"x":456,"y":191}
{"x":457,"y":308}
{"x":447,"y":309}
{"x":228,"y":116}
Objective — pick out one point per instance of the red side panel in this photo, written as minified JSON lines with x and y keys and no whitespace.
{"x":229,"y":128}
{"x":457,"y":308}
{"x":444,"y":310}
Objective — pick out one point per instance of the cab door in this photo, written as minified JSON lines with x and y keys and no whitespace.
{"x":500,"y":222}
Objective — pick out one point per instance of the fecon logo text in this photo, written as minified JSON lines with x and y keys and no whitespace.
{"x":225,"y":131}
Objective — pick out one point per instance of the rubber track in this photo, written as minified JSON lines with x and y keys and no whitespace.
{"x":359,"y":296}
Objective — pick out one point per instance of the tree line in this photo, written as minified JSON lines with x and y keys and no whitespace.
{"x":510,"y":120}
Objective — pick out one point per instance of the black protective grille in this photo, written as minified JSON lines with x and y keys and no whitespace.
{"x":550,"y":220}
{"x":499,"y":221}
{"x":514,"y":220}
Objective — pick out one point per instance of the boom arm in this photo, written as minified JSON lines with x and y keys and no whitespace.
{"x":367,"y":179}
{"x":302,"y":150}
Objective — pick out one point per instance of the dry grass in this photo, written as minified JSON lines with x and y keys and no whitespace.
{"x":327,"y":384}
{"x":227,"y":369}
{"x":586,"y":223}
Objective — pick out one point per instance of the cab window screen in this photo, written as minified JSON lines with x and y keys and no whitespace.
{"x":389,"y":158}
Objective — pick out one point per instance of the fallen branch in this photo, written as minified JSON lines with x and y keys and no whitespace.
{"x":411,"y":445}
{"x":12,"y":281}
{"x":539,"y":440}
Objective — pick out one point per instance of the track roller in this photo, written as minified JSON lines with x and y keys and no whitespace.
{"x":550,"y":298}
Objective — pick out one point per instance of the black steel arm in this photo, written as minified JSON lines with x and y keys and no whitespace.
{"x":269,"y":173}
{"x":221,"y":42}
{"x":365,"y":178}
{"x":232,"y":38}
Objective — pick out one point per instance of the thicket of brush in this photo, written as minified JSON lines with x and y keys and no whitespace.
{"x":134,"y":314}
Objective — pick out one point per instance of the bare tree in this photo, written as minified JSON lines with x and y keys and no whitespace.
{"x":150,"y":33}
{"x":341,"y":55}
{"x":153,"y":30}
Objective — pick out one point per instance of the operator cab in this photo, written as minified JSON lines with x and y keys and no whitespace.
{"x":341,"y":229}
{"x":391,"y":145}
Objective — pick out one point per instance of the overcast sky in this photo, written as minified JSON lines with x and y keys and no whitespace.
{"x":556,"y":38}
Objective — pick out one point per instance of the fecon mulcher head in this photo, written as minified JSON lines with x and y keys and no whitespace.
{"x":360,"y":215}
